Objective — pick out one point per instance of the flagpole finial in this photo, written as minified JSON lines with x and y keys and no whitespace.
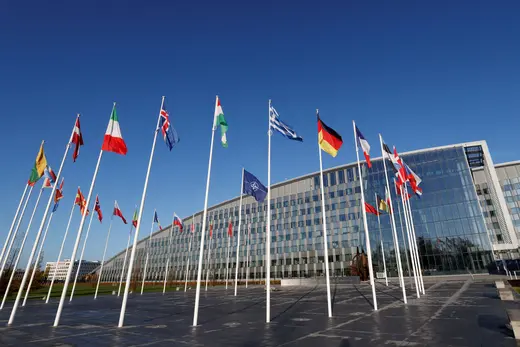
{"x":43,"y":141}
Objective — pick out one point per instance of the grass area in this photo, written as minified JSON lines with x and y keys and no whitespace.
{"x":517,"y":289}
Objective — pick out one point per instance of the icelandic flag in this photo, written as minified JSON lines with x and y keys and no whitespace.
{"x":168,"y":132}
{"x":252,"y":186}
{"x":156,"y":220}
{"x":177,"y":221}
{"x":365,"y":146}
{"x":276,"y":123}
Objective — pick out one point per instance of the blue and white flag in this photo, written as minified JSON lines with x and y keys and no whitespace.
{"x":276,"y":123}
{"x":252,"y":186}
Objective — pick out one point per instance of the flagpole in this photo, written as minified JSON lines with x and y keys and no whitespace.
{"x":410,"y":247}
{"x":12,"y":224}
{"x":203,"y":230}
{"x":248,"y":245}
{"x":239,"y":225}
{"x":415,"y":254}
{"x":168,"y":258}
{"x":148,"y":252}
{"x":324,"y":224}
{"x":419,"y":266}
{"x":210,"y":238}
{"x":381,"y":240}
{"x":61,"y":251}
{"x":36,"y":260}
{"x":104,"y":253}
{"x":81,"y":254}
{"x":141,"y":207}
{"x":21,"y":251}
{"x":124,"y":261}
{"x":367,"y":236}
{"x":268,"y":229}
{"x":393,"y":225}
{"x":189,"y":253}
{"x":404,"y":245}
{"x":4,"y":261}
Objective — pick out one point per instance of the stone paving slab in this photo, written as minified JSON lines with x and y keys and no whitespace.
{"x":452,"y":313}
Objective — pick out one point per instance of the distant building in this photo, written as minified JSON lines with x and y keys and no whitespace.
{"x":62,"y":267}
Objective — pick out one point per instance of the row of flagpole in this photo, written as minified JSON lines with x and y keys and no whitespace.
{"x":274,"y":123}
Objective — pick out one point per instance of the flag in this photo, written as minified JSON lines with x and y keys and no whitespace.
{"x":58,"y":195}
{"x":220,"y":120}
{"x":364,"y":145}
{"x":97,"y":208}
{"x":399,"y":167}
{"x":329,"y":140}
{"x":156,"y":220}
{"x":414,"y":180}
{"x":113,"y":141}
{"x":387,"y":153}
{"x":117,"y":212}
{"x":50,"y":177}
{"x":252,"y":186}
{"x":371,"y":209}
{"x":382,"y":204}
{"x":134,"y":219}
{"x":77,"y":139}
{"x":230,"y":228}
{"x":81,"y":202}
{"x":211,"y":229}
{"x":387,"y":200}
{"x":39,"y":167}
{"x":168,"y":131}
{"x":276,"y":123}
{"x":192,"y":227}
{"x":177,"y":221}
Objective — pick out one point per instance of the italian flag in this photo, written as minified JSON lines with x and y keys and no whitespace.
{"x":118,"y":212}
{"x":220,"y":120}
{"x":113,"y":141}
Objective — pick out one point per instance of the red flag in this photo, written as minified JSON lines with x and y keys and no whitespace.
{"x":230,"y":228}
{"x":211,"y":229}
{"x":371,"y":209}
{"x":59,"y":192}
{"x":97,"y":208}
{"x":81,"y":202}
{"x":77,"y":139}
{"x":117,"y":212}
{"x":134,"y":219}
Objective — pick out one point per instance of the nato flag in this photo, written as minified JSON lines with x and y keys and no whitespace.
{"x":252,"y":186}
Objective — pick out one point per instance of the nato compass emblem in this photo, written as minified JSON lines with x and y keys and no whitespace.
{"x":254,"y":186}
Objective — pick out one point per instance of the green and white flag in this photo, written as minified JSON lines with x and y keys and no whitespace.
{"x":220,"y":120}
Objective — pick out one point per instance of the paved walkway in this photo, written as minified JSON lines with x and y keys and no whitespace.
{"x":453,"y":313}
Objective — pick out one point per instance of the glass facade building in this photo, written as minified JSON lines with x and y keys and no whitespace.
{"x":451,"y":225}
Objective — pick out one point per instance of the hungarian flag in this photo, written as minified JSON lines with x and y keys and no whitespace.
{"x":230,"y":228}
{"x":329,"y":140}
{"x":177,"y":221}
{"x":50,"y":177}
{"x":39,"y":167}
{"x":113,"y":141}
{"x":77,"y":139}
{"x":220,"y":120}
{"x":97,"y":208}
{"x":364,"y":145}
{"x":371,"y":209}
{"x":117,"y":212}
{"x":58,"y":195}
{"x":81,"y":202}
{"x":134,"y":219}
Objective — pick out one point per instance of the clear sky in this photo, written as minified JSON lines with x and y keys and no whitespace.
{"x":423,"y":74}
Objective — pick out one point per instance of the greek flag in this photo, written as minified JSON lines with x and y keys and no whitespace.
{"x":276,"y":123}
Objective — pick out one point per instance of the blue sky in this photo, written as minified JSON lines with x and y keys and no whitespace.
{"x":423,"y":74}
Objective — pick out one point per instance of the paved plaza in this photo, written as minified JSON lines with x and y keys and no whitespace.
{"x":453,"y":313}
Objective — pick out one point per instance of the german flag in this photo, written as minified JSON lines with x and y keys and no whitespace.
{"x":330,"y":141}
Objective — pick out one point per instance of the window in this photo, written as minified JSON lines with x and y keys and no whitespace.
{"x":486,"y":191}
{"x":302,"y":212}
{"x":325,"y":180}
{"x":332,"y":178}
{"x":315,"y":198}
{"x":341,"y":176}
{"x":341,"y":192}
{"x":278,"y":205}
{"x":333,"y":207}
{"x":350,"y":175}
{"x":286,"y":204}
{"x":357,"y":190}
{"x":316,"y":182}
{"x":300,"y":201}
{"x":293,"y":202}
{"x":307,"y":199}
{"x":342,"y":218}
{"x":492,"y":214}
{"x":331,"y":195}
{"x":348,"y":191}
{"x":308,"y":222}
{"x":489,"y":202}
{"x":316,"y":221}
{"x":317,"y":209}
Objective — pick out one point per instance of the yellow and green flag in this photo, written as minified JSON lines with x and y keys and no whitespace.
{"x":39,"y":167}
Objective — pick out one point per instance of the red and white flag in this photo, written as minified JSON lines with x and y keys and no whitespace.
{"x":230,"y":228}
{"x":364,"y":145}
{"x":113,"y":141}
{"x":77,"y":139}
{"x":117,"y":212}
